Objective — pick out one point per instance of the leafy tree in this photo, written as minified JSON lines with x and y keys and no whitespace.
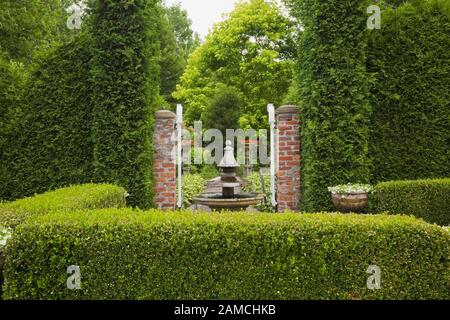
{"x":186,"y":39}
{"x":223,"y":110}
{"x":171,"y":63}
{"x":251,"y":50}
{"x":177,"y":43}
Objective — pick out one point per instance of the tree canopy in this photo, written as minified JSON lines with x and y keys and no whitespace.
{"x":177,"y":42}
{"x":251,"y":50}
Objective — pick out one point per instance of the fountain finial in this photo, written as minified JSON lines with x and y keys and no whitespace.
{"x":228,"y":160}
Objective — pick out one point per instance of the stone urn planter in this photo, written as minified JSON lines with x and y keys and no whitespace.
{"x":350,"y":198}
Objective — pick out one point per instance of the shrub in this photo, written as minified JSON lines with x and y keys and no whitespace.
{"x":426,"y":199}
{"x":334,"y":96}
{"x":89,"y":109}
{"x":11,"y":92}
{"x":126,"y":254}
{"x":192,"y":185}
{"x":255,"y":185}
{"x":88,"y":196}
{"x":50,"y":145}
{"x":126,"y":77}
{"x":209,"y":172}
{"x":410,"y":97}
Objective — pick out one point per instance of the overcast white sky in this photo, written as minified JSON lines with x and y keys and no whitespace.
{"x":204,"y":13}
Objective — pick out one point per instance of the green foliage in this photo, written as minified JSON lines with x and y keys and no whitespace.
{"x":11,"y":91}
{"x":178,"y":41}
{"x":223,"y":110}
{"x":87,"y":196}
{"x":29,"y":26}
{"x":126,"y":254}
{"x":126,"y":77}
{"x":351,"y":188}
{"x":251,"y":51}
{"x":209,"y":172}
{"x":171,"y":63}
{"x":49,"y":144}
{"x":192,"y":185}
{"x":334,"y":93}
{"x":427,"y":199}
{"x":255,"y":183}
{"x":186,"y":40}
{"x":255,"y":186}
{"x":409,"y":56}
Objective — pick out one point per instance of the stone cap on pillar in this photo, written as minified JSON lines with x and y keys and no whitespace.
{"x":288,"y":109}
{"x":165,"y":114}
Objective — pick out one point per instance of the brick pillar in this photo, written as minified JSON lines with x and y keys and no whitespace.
{"x":288,"y":175}
{"x":164,"y":162}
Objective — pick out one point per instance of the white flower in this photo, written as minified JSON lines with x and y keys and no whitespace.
{"x":351,"y":188}
{"x":5,"y":234}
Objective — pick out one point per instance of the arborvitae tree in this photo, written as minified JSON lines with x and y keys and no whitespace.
{"x":334,"y":92}
{"x":126,"y":77}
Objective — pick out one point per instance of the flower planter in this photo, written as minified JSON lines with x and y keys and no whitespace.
{"x":350,"y":202}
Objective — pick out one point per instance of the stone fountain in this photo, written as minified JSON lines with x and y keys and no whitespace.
{"x":228,"y":182}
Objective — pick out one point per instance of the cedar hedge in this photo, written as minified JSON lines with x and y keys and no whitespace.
{"x":334,"y":97}
{"x":126,"y":76}
{"x":88,"y":107}
{"x":409,"y":58}
{"x":126,"y":254}
{"x":427,"y":199}
{"x":87,"y":196}
{"x":50,"y":143}
{"x":11,"y":89}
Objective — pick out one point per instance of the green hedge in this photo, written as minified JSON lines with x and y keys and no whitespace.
{"x":50,"y":145}
{"x":88,"y":196}
{"x":410,"y":57}
{"x":126,"y":254}
{"x":426,"y":199}
{"x":126,"y":78}
{"x":89,"y":107}
{"x":334,"y":94}
{"x":11,"y":90}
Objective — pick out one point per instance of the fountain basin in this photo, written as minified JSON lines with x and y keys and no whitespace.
{"x":216,"y":201}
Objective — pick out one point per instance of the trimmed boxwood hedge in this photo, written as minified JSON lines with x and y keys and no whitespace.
{"x":126,"y":254}
{"x":87,"y":196}
{"x":426,"y":199}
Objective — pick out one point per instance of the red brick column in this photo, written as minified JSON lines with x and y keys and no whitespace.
{"x":288,"y":175}
{"x":164,"y":162}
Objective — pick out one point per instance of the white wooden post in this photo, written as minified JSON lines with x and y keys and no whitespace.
{"x":179,"y":155}
{"x":271,"y":111}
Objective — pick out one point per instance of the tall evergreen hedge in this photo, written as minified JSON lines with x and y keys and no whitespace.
{"x":126,"y":83}
{"x":50,"y":143}
{"x":334,"y":95}
{"x":410,"y":56}
{"x":88,"y":107}
{"x":11,"y":90}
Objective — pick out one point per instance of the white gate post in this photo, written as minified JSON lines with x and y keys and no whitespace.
{"x":272,"y":122}
{"x":179,"y":155}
